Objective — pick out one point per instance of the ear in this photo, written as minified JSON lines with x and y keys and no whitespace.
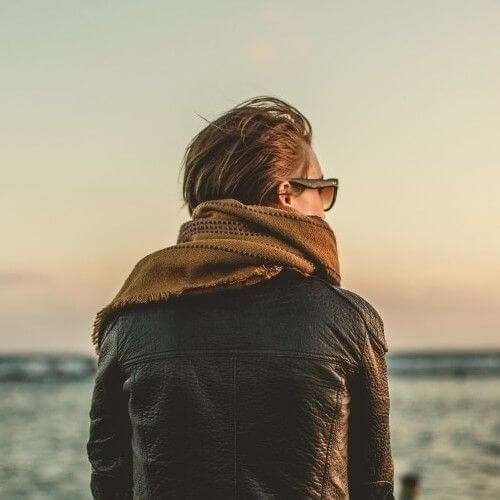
{"x":284,"y":193}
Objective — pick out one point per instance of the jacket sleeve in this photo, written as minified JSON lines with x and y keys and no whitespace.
{"x":371,"y":469}
{"x":108,"y":445}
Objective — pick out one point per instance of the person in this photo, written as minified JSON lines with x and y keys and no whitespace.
{"x":233,"y":364}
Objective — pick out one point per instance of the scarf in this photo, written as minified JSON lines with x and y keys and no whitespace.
{"x":228,"y":244}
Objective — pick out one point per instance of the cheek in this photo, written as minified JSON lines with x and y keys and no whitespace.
{"x":308,"y":198}
{"x":311,"y":200}
{"x":316,"y":198}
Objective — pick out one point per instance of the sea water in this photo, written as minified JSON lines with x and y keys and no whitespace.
{"x":444,"y":419}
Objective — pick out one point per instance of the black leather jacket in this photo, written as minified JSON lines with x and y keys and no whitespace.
{"x":273,"y":391}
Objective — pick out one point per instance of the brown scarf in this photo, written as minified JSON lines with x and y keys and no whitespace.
{"x":228,"y":244}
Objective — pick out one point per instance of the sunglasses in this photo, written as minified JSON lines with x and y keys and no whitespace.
{"x":327,"y":189}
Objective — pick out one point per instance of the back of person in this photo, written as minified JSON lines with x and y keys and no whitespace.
{"x":232,"y":364}
{"x":247,"y":393}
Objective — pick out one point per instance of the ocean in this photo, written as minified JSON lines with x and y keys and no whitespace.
{"x":445,"y":424}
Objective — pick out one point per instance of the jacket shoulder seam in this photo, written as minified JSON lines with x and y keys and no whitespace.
{"x":372,"y":320}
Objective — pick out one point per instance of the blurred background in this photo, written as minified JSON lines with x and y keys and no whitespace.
{"x":98,"y":103}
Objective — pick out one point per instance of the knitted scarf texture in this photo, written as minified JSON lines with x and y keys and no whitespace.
{"x":228,"y":244}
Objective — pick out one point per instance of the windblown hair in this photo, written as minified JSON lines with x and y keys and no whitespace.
{"x":245,"y":153}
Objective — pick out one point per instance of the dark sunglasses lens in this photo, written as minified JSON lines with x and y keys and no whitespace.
{"x":328,"y":195}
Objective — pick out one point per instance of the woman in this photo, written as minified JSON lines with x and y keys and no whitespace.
{"x":233,"y":364}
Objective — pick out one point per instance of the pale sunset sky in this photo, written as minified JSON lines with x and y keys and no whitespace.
{"x":100,"y":99}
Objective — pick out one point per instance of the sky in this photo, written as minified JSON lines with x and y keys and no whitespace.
{"x":98,"y":101}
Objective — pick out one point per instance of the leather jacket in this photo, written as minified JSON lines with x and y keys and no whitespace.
{"x":276,"y":390}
